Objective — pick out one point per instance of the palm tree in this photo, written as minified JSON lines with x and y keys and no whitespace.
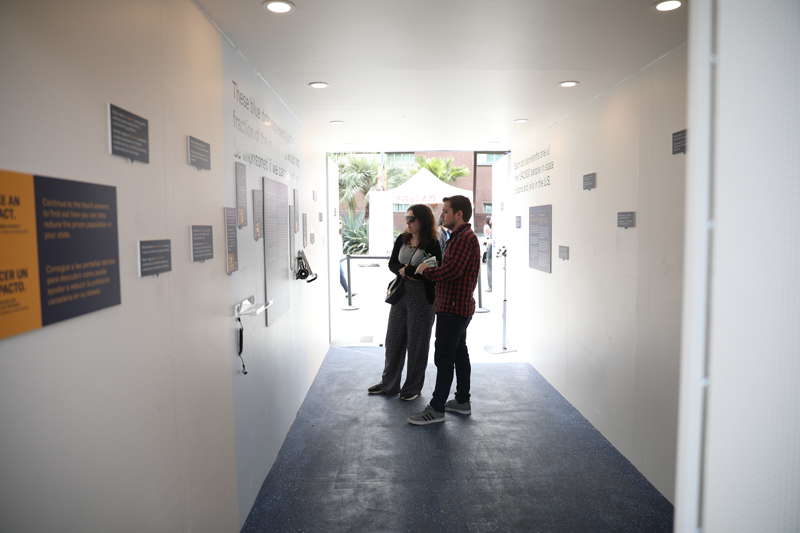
{"x":359,"y":174}
{"x":441,"y":168}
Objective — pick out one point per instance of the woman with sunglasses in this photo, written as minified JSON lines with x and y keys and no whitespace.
{"x":411,"y":319}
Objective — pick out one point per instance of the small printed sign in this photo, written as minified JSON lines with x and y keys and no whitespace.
{"x":241,"y":194}
{"x":258,"y":214}
{"x":312,"y":238}
{"x":231,"y":244}
{"x":519,"y":222}
{"x":202,"y":242}
{"x":296,"y":210}
{"x":314,"y":194}
{"x":199,"y":153}
{"x":563,"y":252}
{"x":155,"y":257}
{"x":305,"y":230}
{"x":320,"y":216}
{"x":589,"y":181}
{"x":626,"y":219}
{"x":128,"y":135}
{"x":679,"y":142}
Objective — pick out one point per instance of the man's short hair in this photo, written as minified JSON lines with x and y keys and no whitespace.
{"x":460,"y":203}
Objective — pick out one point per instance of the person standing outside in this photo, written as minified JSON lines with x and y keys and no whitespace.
{"x":411,"y":318}
{"x":455,"y":279}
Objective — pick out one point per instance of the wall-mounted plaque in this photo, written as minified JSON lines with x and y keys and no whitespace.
{"x":589,"y":181}
{"x":296,"y":210}
{"x":202,"y":242}
{"x":314,"y":194}
{"x":312,"y":238}
{"x":519,"y":222}
{"x":258,"y":214}
{"x":231,"y":243}
{"x":199,"y":153}
{"x":241,"y":194}
{"x":277,"y":240}
{"x":540,"y":232}
{"x":563,"y":252}
{"x":155,"y":257}
{"x":128,"y":135}
{"x":320,"y":216}
{"x":335,"y":212}
{"x":679,"y":142}
{"x":626,"y":219}
{"x":292,"y":241}
{"x":59,"y":253}
{"x":305,"y":230}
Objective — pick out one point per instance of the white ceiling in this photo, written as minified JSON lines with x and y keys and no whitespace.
{"x":443,"y":74}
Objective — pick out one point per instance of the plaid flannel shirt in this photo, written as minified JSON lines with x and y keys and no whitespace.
{"x":457,"y":276}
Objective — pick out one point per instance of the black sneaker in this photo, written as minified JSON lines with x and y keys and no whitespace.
{"x":408,"y":396}
{"x":375,"y":389}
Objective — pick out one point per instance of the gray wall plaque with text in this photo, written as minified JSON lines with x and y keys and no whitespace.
{"x":199,"y":154}
{"x":589,"y":181}
{"x":305,"y":230}
{"x":241,"y":193}
{"x":626,"y":219}
{"x":258,"y":214}
{"x":231,"y":241}
{"x":202,"y":242}
{"x":276,"y":248}
{"x":679,"y":142}
{"x":296,"y":210}
{"x":128,"y":135}
{"x":155,"y":257}
{"x":563,"y":252}
{"x":540,"y":232}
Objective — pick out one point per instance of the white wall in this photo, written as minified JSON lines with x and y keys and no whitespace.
{"x":136,"y":418}
{"x":739,"y":467}
{"x":604,"y":326}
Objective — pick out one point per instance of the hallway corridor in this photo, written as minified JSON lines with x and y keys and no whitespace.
{"x":524,"y":460}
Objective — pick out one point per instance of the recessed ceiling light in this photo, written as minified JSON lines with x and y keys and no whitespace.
{"x":278,"y":6}
{"x":337,"y":122}
{"x":494,"y":142}
{"x":668,"y":5}
{"x":349,"y":143}
{"x":568,"y":83}
{"x":521,"y":120}
{"x":318,"y":84}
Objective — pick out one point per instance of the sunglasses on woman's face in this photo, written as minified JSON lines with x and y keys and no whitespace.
{"x":410,"y":220}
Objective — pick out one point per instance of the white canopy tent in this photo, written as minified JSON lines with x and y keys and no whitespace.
{"x":422,"y":188}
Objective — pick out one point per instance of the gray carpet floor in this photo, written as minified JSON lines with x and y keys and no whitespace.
{"x":524,"y":460}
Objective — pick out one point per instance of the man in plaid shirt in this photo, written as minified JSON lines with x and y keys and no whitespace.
{"x":455,"y":279}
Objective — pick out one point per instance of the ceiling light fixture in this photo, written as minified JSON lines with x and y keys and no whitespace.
{"x":520,"y":120}
{"x":494,"y":142}
{"x":568,"y":83}
{"x":337,"y":122}
{"x":278,"y":6}
{"x":318,"y":84}
{"x":668,"y":5}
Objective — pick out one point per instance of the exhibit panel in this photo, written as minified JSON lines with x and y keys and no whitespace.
{"x":603,"y":325}
{"x":264,"y":155}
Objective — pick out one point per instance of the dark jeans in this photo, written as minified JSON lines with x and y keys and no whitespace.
{"x":451,"y":353}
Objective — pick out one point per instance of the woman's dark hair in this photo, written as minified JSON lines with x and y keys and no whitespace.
{"x":428,"y":231}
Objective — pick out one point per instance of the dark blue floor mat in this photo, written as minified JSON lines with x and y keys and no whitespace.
{"x":524,"y":460}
